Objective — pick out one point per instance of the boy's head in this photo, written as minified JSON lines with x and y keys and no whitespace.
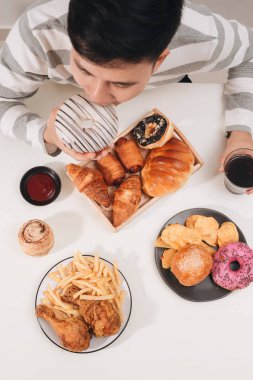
{"x":120,"y":34}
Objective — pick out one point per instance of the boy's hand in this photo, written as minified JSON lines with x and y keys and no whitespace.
{"x":51,"y":137}
{"x":237,"y":140}
{"x":103,"y":153}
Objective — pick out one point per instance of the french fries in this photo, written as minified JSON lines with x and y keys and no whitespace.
{"x":94,"y":279}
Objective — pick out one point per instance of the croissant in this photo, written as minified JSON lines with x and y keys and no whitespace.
{"x":126,"y":200}
{"x":129,"y":154}
{"x":90,"y":182}
{"x":112,"y":170}
{"x":167,"y":168}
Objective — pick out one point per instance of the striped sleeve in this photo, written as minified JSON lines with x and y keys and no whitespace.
{"x":239,"y":87}
{"x":206,"y":42}
{"x":237,"y":56}
{"x":23,"y":69}
{"x":233,"y":51}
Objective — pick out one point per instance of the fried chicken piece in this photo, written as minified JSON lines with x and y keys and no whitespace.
{"x":72,"y":331}
{"x":102,"y":317}
{"x":68,"y":295}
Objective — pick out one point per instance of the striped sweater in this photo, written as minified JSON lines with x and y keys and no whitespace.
{"x":38,"y":47}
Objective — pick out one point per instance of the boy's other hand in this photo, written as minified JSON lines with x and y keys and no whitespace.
{"x":237,"y":140}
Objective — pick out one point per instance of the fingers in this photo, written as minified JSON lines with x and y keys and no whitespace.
{"x":84,"y":157}
{"x":250,"y":191}
{"x":102,"y":153}
{"x":51,"y":137}
{"x":52,"y":116}
{"x":221,"y":167}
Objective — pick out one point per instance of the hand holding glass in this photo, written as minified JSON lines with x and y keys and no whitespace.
{"x":238,"y":168}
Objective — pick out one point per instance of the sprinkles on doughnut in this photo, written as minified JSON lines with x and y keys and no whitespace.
{"x":84,"y":126}
{"x":233,"y":266}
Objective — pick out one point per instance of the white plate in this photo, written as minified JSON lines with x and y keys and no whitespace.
{"x":96,"y":344}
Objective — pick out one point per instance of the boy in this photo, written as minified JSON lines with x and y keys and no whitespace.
{"x":113,"y":49}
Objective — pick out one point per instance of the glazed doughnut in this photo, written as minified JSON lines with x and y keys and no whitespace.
{"x":36,"y":237}
{"x":153,"y":131}
{"x":241,"y":256}
{"x":191,"y":264}
{"x":84,"y":126}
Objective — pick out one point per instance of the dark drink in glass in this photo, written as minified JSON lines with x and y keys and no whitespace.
{"x":239,"y":171}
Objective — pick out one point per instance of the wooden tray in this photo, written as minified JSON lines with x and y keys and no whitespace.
{"x":146,"y":201}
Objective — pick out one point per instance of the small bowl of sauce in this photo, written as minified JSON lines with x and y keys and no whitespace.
{"x":40,"y":185}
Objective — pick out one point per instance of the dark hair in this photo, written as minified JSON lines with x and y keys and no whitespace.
{"x":103,"y":31}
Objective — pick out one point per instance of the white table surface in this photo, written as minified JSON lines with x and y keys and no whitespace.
{"x":166,"y":335}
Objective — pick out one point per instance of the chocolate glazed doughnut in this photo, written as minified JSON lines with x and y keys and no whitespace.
{"x":36,"y":238}
{"x":153,"y":131}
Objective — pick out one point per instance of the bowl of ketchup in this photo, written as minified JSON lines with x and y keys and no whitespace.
{"x":40,"y":185}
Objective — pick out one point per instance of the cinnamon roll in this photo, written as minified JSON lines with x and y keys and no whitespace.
{"x":36,"y":238}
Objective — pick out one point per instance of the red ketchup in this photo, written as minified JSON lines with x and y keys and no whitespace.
{"x":40,"y":187}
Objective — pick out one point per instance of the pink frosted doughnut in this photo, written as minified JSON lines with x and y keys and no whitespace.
{"x":223,"y":275}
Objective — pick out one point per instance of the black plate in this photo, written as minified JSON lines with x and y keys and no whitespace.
{"x":207,"y":290}
{"x":96,"y":344}
{"x":40,"y":170}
